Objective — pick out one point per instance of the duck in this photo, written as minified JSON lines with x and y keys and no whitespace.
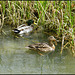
{"x":44,"y":47}
{"x":25,"y":28}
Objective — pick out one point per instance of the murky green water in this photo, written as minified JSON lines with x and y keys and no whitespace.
{"x":15,"y":59}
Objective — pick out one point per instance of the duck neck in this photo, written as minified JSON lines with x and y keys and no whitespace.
{"x":51,"y":43}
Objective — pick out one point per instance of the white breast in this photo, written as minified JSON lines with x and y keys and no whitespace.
{"x":52,"y":48}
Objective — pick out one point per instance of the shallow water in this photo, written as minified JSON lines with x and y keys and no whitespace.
{"x":16,"y":59}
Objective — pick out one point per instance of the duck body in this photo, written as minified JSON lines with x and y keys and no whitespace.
{"x":21,"y":30}
{"x":43,"y":47}
{"x":24,"y":28}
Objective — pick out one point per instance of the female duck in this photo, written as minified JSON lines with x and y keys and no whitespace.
{"x":24,"y":28}
{"x":43,"y":47}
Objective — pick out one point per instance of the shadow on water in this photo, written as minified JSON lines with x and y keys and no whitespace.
{"x":15,"y":59}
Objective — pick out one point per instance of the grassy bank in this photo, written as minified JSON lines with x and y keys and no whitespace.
{"x":53,"y":16}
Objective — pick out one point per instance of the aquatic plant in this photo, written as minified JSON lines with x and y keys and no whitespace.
{"x":53,"y":16}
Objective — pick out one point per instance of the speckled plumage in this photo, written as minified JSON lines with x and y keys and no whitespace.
{"x":43,"y":47}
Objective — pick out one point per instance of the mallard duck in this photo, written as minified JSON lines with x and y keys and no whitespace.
{"x":43,"y":47}
{"x":24,"y":28}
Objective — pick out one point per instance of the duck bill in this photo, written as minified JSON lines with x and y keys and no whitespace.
{"x":35,"y":23}
{"x":55,"y":41}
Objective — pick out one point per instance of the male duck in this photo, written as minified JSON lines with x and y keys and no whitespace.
{"x":43,"y":47}
{"x":24,"y":28}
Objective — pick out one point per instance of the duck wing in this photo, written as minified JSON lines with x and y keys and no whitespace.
{"x":21,"y":26}
{"x":40,"y":46}
{"x":25,"y":29}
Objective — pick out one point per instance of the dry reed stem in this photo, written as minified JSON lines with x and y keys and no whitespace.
{"x":63,"y":35}
{"x":2,"y":21}
{"x":62,"y":44}
{"x":66,"y":44}
{"x":74,"y":42}
{"x":44,"y":11}
{"x":73,"y":48}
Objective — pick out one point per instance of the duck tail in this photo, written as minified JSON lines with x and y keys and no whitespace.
{"x":16,"y":31}
{"x":27,"y":47}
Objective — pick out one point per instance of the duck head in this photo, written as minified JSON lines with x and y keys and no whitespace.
{"x":51,"y":39}
{"x":31,"y":21}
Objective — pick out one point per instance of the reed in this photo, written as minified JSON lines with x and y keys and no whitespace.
{"x":56,"y":16}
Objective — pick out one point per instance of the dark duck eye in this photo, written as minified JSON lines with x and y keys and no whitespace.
{"x":29,"y":22}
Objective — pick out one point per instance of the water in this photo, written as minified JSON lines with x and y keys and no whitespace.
{"x":16,"y":59}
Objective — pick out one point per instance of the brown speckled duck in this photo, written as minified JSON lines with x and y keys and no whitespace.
{"x":43,"y":47}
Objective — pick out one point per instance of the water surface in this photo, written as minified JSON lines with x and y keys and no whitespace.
{"x":16,"y":59}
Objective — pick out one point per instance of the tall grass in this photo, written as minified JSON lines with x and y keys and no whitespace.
{"x":2,"y":10}
{"x":56,"y":16}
